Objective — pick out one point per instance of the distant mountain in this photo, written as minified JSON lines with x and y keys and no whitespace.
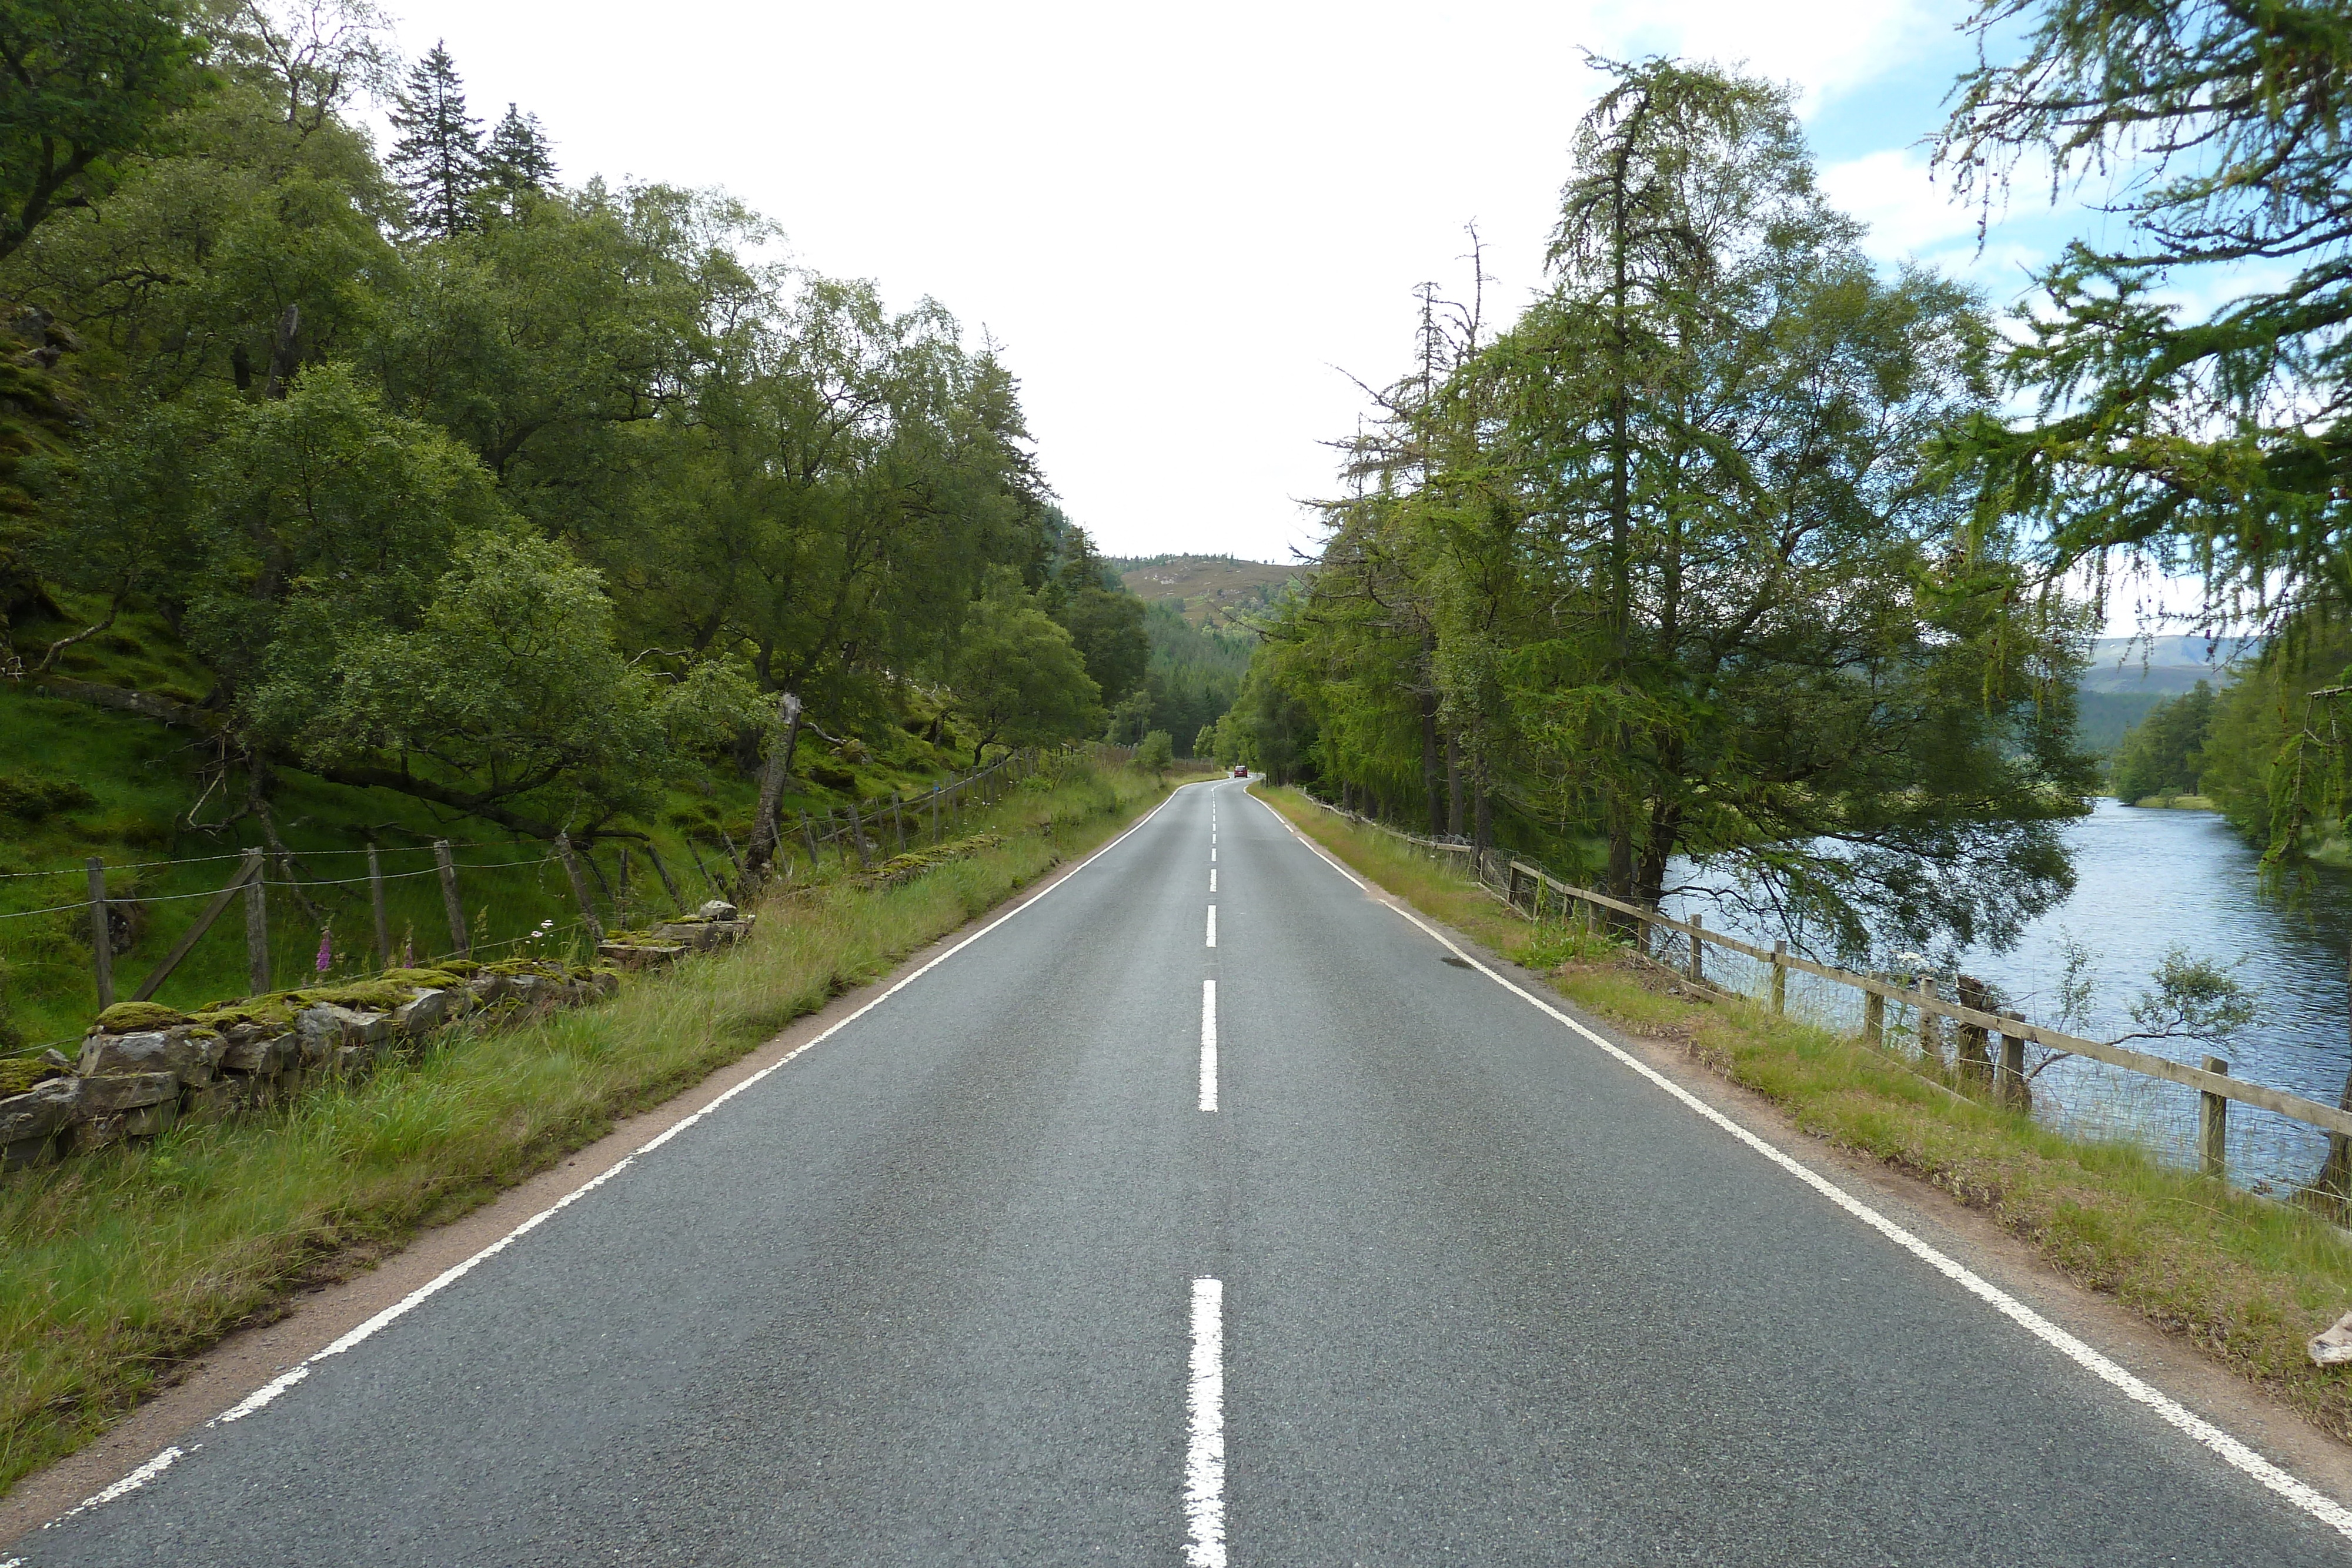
{"x":2163,"y":665}
{"x":1213,"y":590}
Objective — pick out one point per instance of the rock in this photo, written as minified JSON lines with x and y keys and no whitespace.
{"x":26,"y":1152}
{"x":716,"y":909}
{"x":41,"y":1113}
{"x":639,"y":955}
{"x":2332,"y":1346}
{"x":422,"y":1013}
{"x":118,"y":1091}
{"x":700,"y":935}
{"x":263,"y":1055}
{"x":488,"y":988}
{"x":325,"y":1029}
{"x":218,"y":1102}
{"x":192,"y":1054}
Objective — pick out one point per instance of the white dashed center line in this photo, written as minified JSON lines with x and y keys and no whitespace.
{"x":1204,"y":1451}
{"x":1208,"y":1045}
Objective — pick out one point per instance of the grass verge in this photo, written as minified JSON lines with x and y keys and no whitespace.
{"x":2247,"y":1280}
{"x":117,"y":1267}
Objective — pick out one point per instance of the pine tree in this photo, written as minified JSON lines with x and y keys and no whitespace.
{"x":437,"y":159}
{"x":517,"y":156}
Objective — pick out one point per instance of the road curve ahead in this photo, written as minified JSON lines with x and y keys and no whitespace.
{"x":1196,"y":1222}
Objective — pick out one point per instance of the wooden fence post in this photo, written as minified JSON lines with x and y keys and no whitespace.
{"x":579,"y":888}
{"x":2213,"y":1126}
{"x":1780,"y":976}
{"x":1975,"y":1058}
{"x":857,"y":835}
{"x":375,"y":906}
{"x":1931,"y":1026}
{"x":102,"y":935}
{"x":808,"y":835}
{"x":2010,"y":1079}
{"x":461,"y":941}
{"x":718,"y":888}
{"x":898,"y":822}
{"x":621,"y":898}
{"x":734,"y":857}
{"x":256,"y":932}
{"x":669,"y":885}
{"x":935,"y":814}
{"x":1697,"y":969}
{"x":1874,"y":1019}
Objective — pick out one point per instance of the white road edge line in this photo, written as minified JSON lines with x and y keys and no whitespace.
{"x":1212,"y":926}
{"x":277,"y":1385}
{"x":1204,"y":1447}
{"x":2314,"y":1502}
{"x":1208,"y":1045}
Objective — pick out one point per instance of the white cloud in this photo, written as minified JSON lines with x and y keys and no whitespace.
{"x":1908,"y":213}
{"x":1826,"y":48}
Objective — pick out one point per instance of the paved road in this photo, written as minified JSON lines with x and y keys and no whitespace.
{"x":978,"y":1279}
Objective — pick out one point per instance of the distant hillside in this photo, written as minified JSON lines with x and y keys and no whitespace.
{"x":2162,"y":665}
{"x":1213,"y":590}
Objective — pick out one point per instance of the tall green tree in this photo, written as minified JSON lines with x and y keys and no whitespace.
{"x":518,"y":157}
{"x":437,"y":152}
{"x":1019,"y":678}
{"x":1670,"y":555}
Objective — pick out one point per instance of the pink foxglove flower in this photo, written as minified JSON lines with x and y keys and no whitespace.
{"x":326,"y":950}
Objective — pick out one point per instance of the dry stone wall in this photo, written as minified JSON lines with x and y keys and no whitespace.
{"x":144,"y":1068}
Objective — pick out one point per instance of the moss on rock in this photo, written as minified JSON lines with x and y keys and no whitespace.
{"x":123,"y":1018}
{"x":20,"y":1073}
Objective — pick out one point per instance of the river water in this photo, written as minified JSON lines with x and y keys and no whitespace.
{"x":2147,"y":881}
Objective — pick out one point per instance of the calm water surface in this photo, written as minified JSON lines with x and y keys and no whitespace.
{"x":2147,"y":881}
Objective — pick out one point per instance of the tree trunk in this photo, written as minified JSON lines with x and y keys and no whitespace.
{"x":1453,"y":786}
{"x":1432,"y":766}
{"x":771,"y":783}
{"x":1485,"y":804}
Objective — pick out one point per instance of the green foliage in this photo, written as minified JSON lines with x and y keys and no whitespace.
{"x":2202,"y":439}
{"x":1155,"y":754}
{"x":1658,"y":569}
{"x":1019,"y":678}
{"x":750,"y":476}
{"x":436,"y":154}
{"x":2193,"y":997}
{"x":511,"y":680}
{"x":87,"y":84}
{"x":2163,"y":754}
{"x":1195,"y":671}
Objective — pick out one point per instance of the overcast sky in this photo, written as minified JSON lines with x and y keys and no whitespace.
{"x":1188,"y":226}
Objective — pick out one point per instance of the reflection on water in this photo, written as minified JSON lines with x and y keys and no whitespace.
{"x":2148,"y":880}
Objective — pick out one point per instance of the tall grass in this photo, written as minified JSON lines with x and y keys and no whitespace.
{"x":117,"y":1266}
{"x":2248,"y":1281}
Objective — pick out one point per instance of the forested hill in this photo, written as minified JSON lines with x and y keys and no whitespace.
{"x":1214,"y":591}
{"x":449,"y":491}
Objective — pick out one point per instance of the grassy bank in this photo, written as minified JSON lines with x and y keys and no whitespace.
{"x":2247,"y":1280}
{"x":117,"y":1267}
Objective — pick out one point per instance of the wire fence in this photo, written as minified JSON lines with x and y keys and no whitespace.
{"x":2254,"y":1135}
{"x":127,"y":931}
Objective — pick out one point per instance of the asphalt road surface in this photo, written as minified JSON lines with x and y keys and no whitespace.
{"x":1032,"y":1263}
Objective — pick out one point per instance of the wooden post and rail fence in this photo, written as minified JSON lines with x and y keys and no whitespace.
{"x":1525,"y":887}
